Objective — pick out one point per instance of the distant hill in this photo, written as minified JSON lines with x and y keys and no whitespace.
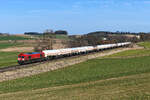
{"x":110,"y":33}
{"x":12,"y":37}
{"x":99,"y":33}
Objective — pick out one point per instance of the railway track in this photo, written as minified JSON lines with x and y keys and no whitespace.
{"x":10,"y":68}
{"x":15,"y":67}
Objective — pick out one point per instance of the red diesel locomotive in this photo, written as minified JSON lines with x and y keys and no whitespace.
{"x":25,"y":58}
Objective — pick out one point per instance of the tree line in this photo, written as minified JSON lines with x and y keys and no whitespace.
{"x":48,"y":32}
{"x":94,"y":38}
{"x":118,"y":33}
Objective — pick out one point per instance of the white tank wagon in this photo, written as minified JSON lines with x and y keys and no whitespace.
{"x":26,"y":58}
{"x":107,"y":46}
{"x":51,"y":53}
{"x":81,"y":50}
{"x":123,"y":44}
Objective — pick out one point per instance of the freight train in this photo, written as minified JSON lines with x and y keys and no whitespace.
{"x":26,"y":58}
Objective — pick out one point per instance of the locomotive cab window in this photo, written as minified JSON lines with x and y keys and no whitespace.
{"x":21,"y":56}
{"x":41,"y":55}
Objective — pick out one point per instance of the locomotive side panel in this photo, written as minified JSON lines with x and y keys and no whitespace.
{"x":25,"y":58}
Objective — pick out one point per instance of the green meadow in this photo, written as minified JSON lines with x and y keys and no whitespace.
{"x":145,"y":44}
{"x":12,"y":37}
{"x":7,"y":45}
{"x":117,"y":77}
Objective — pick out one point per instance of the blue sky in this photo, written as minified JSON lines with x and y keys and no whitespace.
{"x":75,"y":16}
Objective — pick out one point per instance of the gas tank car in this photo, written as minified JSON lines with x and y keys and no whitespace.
{"x":25,"y":58}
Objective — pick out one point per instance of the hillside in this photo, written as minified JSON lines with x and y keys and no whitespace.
{"x":13,"y":37}
{"x":119,"y":77}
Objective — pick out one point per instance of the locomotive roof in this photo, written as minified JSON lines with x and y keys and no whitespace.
{"x":32,"y":53}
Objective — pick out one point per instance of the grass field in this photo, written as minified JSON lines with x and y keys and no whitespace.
{"x":135,"y":87}
{"x":131,"y":53}
{"x":8,"y":58}
{"x":7,"y":45}
{"x":97,"y":79}
{"x":90,"y":71}
{"x":65,"y":37}
{"x":12,"y":37}
{"x":134,"y":53}
{"x":145,"y":44}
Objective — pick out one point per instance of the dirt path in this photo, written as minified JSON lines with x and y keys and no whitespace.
{"x":54,"y":65}
{"x":17,"y":49}
{"x":90,"y":89}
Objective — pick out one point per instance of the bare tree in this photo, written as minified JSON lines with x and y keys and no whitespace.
{"x":48,"y":31}
{"x":44,"y":43}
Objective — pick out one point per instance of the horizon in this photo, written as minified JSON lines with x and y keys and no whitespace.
{"x":75,"y":16}
{"x":114,"y":32}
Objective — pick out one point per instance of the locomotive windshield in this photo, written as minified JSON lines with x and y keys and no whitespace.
{"x":21,"y":56}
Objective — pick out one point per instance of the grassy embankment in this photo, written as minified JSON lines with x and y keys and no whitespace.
{"x":105,"y":78}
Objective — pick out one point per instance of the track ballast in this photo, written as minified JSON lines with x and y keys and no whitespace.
{"x":15,"y":67}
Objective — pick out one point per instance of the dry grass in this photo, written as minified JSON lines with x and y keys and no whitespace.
{"x":134,"y":87}
{"x":18,"y":49}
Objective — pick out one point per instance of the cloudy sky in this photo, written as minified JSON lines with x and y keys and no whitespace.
{"x":75,"y":16}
